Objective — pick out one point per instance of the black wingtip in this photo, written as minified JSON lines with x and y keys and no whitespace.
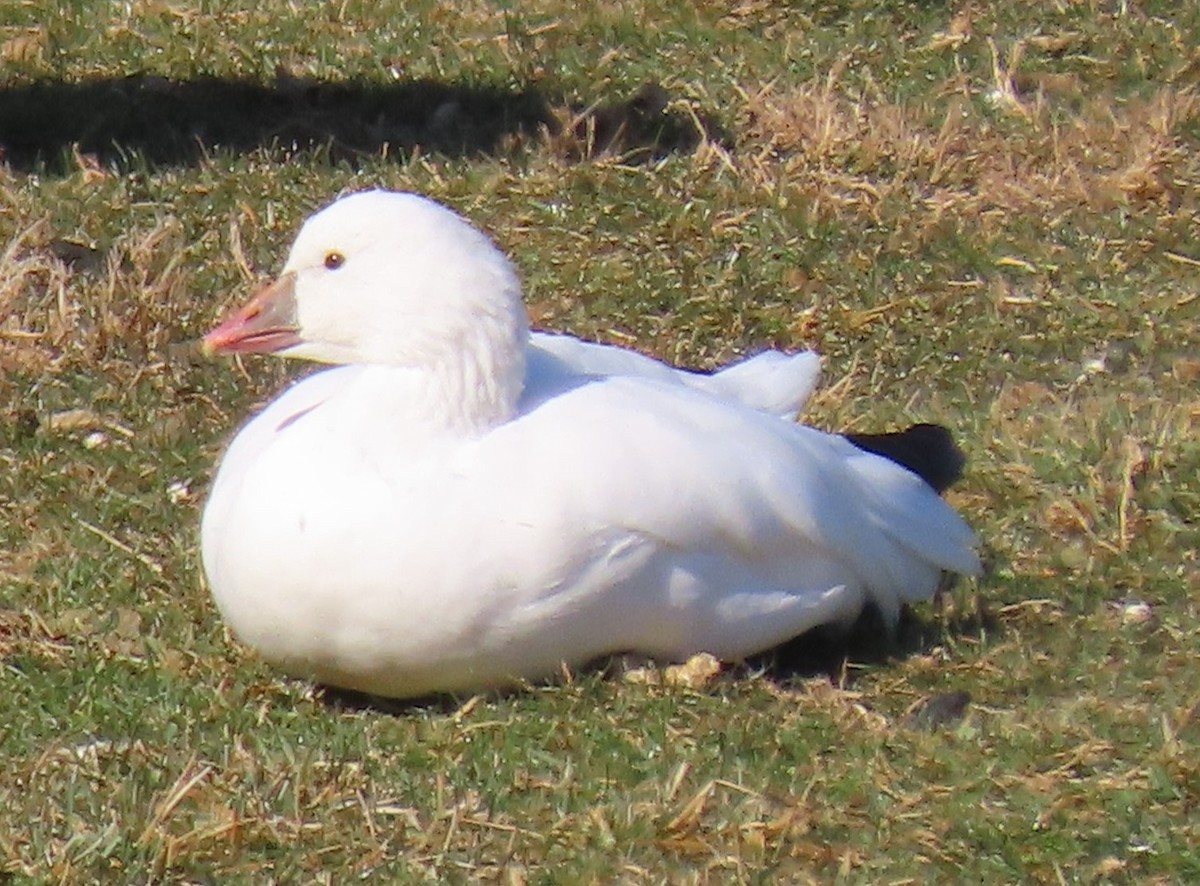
{"x":927,"y":450}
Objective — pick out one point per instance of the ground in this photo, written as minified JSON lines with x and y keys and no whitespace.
{"x":983,"y":215}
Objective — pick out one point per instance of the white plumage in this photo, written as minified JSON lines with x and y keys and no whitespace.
{"x":464,"y":505}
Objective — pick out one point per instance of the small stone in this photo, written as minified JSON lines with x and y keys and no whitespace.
{"x":939,"y":711}
{"x":1136,"y":612}
{"x":695,"y":673}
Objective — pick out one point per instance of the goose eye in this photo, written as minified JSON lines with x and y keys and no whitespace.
{"x":334,"y":260}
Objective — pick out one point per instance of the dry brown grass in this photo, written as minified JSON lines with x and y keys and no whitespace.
{"x":34,"y":314}
{"x":79,"y":308}
{"x":854,"y":153}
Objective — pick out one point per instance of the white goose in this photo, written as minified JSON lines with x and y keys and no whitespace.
{"x":461,"y":508}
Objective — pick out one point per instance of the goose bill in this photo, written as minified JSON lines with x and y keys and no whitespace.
{"x":265,"y":324}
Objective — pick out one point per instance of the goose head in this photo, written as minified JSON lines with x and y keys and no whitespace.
{"x":380,"y":277}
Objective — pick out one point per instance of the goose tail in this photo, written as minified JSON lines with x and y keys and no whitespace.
{"x":927,"y":450}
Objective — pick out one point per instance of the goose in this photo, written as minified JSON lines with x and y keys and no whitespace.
{"x":457,"y":505}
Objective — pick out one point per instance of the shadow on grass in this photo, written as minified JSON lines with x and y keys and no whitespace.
{"x":171,"y":122}
{"x":830,"y":651}
{"x":352,"y":701}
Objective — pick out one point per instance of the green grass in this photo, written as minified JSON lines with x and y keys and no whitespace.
{"x":987,"y":221}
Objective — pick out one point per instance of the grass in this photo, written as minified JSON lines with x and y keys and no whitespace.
{"x":982,"y":216}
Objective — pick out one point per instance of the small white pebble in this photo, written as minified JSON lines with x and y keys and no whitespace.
{"x":995,"y":97}
{"x":177,"y":491}
{"x":1135,"y":612}
{"x":95,"y":440}
{"x":1091,"y":367}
